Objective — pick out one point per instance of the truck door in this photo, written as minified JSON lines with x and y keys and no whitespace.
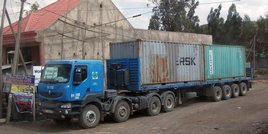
{"x":80,"y":82}
{"x":84,"y":82}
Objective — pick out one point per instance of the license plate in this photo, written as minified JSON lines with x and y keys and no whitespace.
{"x":48,"y":111}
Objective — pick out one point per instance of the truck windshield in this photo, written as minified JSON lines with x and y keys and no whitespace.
{"x":56,"y":73}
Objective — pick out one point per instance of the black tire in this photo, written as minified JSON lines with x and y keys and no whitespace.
{"x":122,"y":111}
{"x":243,"y":88}
{"x":235,"y":90}
{"x":154,"y":106}
{"x":89,"y":117}
{"x":169,"y":103}
{"x":217,"y":94}
{"x":226,"y":92}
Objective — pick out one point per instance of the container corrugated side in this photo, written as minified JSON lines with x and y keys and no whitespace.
{"x":163,"y":62}
{"x":224,"y":61}
{"x":123,"y":50}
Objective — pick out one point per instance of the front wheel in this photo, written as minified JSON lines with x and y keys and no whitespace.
{"x":89,"y":117}
{"x":122,"y":111}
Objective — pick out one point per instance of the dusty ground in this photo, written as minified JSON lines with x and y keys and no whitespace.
{"x":243,"y":115}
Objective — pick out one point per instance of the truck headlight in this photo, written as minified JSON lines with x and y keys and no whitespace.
{"x":66,"y":106}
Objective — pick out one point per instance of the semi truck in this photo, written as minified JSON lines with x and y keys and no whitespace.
{"x":151,"y":76}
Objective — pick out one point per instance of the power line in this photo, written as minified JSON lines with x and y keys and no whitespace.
{"x":134,"y":16}
{"x":108,"y":9}
{"x":87,"y":29}
{"x":11,"y":5}
{"x":217,"y":2}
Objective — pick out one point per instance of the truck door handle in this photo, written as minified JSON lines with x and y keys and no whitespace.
{"x":88,"y":89}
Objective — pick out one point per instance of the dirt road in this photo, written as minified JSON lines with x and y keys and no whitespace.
{"x":245,"y":115}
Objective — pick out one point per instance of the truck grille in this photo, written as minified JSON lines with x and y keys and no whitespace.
{"x":51,"y":95}
{"x":50,"y":104}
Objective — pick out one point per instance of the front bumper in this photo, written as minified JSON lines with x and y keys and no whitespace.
{"x":54,"y":110}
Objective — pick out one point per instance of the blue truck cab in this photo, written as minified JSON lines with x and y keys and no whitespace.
{"x":65,"y":85}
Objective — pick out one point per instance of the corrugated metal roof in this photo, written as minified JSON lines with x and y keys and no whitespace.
{"x":41,"y":19}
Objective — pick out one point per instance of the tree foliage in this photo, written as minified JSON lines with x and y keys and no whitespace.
{"x":215,"y":24}
{"x":179,"y":15}
{"x":175,"y":15}
{"x":34,"y":7}
{"x":233,"y":25}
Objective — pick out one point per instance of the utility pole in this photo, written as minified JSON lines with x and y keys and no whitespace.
{"x":102,"y":44}
{"x":16,"y":58}
{"x":17,"y":45}
{"x":254,"y":55}
{"x":20,"y":53}
{"x":85,"y":34}
{"x":1,"y":58}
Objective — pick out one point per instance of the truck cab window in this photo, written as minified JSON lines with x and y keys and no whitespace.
{"x":56,"y":73}
{"x":80,"y":74}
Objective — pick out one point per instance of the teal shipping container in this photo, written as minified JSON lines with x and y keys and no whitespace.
{"x":224,"y":61}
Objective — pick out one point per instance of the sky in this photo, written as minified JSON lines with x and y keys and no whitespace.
{"x":253,"y":8}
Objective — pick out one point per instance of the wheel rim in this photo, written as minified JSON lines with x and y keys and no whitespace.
{"x":154,"y":106}
{"x":218,"y":94}
{"x":169,"y":103}
{"x":91,"y":116}
{"x":236,"y":90}
{"x":243,"y":89}
{"x":228,"y":92}
{"x":122,"y":111}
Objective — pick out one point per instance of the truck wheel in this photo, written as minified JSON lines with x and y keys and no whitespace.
{"x":235,"y":90}
{"x":89,"y":117}
{"x":154,"y":106}
{"x":122,"y":111}
{"x":243,"y":88}
{"x":169,"y":103}
{"x":226,"y":92}
{"x":217,"y":94}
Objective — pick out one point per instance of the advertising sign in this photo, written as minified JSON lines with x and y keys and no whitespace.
{"x":23,"y":102}
{"x":37,"y":73}
{"x":21,"y":83}
{"x":23,"y":89}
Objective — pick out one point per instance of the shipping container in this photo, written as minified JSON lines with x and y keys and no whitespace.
{"x":154,"y":63}
{"x":163,"y":62}
{"x":224,"y":61}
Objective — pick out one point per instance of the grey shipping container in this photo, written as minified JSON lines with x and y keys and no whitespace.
{"x":163,"y":62}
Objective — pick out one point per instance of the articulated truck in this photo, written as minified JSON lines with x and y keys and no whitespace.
{"x":151,"y":76}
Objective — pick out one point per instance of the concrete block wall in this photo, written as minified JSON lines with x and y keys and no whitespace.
{"x":88,"y":15}
{"x":180,"y":37}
